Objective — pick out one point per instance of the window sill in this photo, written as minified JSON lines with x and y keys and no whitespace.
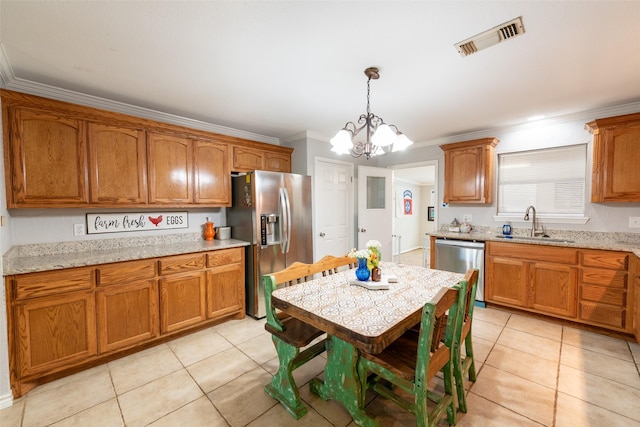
{"x":544,"y":219}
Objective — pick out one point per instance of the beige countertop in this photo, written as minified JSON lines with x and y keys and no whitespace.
{"x":34,"y":258}
{"x":629,"y":242}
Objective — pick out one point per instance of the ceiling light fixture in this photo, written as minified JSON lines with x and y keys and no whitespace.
{"x":380,"y":138}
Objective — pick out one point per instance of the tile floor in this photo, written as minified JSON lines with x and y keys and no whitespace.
{"x":531,"y":373}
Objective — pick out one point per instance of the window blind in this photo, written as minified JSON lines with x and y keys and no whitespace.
{"x":551,"y":179}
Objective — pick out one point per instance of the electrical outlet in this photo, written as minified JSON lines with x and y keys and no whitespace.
{"x":634,"y":222}
{"x":466,"y":218}
{"x":78,"y":229}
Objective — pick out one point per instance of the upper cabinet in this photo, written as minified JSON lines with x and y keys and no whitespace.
{"x":47,"y":153}
{"x":469,"y":171}
{"x":616,"y":156}
{"x":63,"y":155}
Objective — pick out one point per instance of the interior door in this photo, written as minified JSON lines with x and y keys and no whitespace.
{"x":375,"y":212}
{"x":333,"y":199}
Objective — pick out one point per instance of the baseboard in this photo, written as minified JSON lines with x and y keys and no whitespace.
{"x":6,"y":400}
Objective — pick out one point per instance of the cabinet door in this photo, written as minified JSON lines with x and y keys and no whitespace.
{"x":247,"y":159}
{"x":55,"y":332}
{"x":554,"y":288}
{"x":118,"y":165}
{"x":170,"y":169}
{"x":225,"y":291}
{"x":506,"y":281}
{"x":182,"y":301}
{"x":620,"y":156}
{"x":127,"y":314}
{"x":464,"y":175}
{"x":277,"y":162}
{"x":48,"y":160}
{"x":212,"y":174}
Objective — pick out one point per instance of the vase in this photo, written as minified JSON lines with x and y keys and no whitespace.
{"x":376,"y":274}
{"x":362,"y":272}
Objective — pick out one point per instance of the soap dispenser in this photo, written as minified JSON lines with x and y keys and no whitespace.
{"x":209,"y":232}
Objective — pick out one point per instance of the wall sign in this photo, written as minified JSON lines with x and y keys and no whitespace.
{"x":407,"y":202}
{"x":136,"y":221}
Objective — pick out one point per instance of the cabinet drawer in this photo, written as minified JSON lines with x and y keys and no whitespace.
{"x":126,"y":272}
{"x":52,"y":282}
{"x":605,"y":259}
{"x":603,"y":314}
{"x":599,"y":294}
{"x":180,"y":263}
{"x":534,"y":252}
{"x":600,"y":277}
{"x":223,"y":257}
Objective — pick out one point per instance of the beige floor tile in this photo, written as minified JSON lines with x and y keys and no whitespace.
{"x":144,"y":367}
{"x":89,"y":373}
{"x":105,"y":414}
{"x":199,"y":413}
{"x":238,"y":331}
{"x":329,"y":409}
{"x":220,"y":369}
{"x":485,"y":413}
{"x":539,"y":370}
{"x":600,"y":364}
{"x":195,"y":347}
{"x":12,"y":416}
{"x":517,"y":394}
{"x":260,"y":349}
{"x":277,"y":416}
{"x":156,"y":399}
{"x":486,"y":330}
{"x":70,"y":398}
{"x":616,"y":397}
{"x":597,"y":342}
{"x":532,"y":344}
{"x":490,"y":315}
{"x":243,"y":399}
{"x":535,"y":326}
{"x":571,"y":412}
{"x":635,"y":351}
{"x":481,"y":348}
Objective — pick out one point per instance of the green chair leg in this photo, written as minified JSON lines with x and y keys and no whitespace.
{"x":283,"y":387}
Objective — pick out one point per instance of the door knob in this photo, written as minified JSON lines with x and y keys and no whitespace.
{"x":322,"y":234}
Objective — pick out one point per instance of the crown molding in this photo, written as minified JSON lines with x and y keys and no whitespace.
{"x":11,"y":82}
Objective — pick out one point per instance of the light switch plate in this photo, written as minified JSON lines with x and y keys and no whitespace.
{"x":78,"y":229}
{"x":466,"y":218}
{"x":634,"y":222}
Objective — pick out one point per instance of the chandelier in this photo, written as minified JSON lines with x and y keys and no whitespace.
{"x":379,"y":137}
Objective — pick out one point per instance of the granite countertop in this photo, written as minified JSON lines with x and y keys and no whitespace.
{"x":34,"y":258}
{"x":628,"y":242}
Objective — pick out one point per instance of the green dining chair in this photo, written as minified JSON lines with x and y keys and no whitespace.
{"x":292,"y":337}
{"x":466,"y":366}
{"x":414,"y":359}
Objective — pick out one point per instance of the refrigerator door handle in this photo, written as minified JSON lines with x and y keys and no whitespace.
{"x":285,"y":222}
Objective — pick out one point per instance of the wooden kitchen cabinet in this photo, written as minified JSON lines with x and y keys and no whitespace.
{"x":45,"y":158}
{"x":182,"y":292}
{"x":127,"y":304}
{"x":635,"y":306}
{"x":212,"y":173}
{"x":469,"y":171}
{"x":170,"y":169}
{"x":537,"y":278}
{"x":246,"y":159}
{"x":117,"y":165}
{"x":224,"y":296}
{"x":277,"y":162}
{"x":616,"y":156}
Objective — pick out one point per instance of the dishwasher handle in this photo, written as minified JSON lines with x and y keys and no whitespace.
{"x":461,"y":243}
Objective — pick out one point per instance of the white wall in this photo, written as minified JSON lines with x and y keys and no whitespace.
{"x":6,"y":397}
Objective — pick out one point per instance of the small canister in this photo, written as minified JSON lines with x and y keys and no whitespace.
{"x":223,"y":233}
{"x":506,"y":229}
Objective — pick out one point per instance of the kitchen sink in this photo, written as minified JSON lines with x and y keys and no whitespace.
{"x":535,"y":239}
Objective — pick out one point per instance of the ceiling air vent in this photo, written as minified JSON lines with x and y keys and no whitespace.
{"x":488,"y":38}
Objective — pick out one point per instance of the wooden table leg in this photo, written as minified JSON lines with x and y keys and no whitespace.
{"x":341,"y":380}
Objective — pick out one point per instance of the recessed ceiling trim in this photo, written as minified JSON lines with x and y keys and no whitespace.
{"x":491,"y":37}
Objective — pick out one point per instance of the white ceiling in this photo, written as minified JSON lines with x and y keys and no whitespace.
{"x":281,"y":68}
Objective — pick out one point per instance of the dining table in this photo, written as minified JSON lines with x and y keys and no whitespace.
{"x":358,"y":319}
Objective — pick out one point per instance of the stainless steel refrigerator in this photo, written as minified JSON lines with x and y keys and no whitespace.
{"x":272,"y":210}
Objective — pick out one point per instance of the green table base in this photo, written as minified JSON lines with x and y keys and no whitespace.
{"x":341,"y":381}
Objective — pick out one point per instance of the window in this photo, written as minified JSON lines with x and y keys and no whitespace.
{"x":551,"y":179}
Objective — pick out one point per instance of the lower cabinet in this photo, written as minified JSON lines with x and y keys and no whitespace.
{"x":64,"y":320}
{"x":582,"y":285}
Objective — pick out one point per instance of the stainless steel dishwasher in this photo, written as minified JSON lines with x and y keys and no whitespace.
{"x":459,"y":256}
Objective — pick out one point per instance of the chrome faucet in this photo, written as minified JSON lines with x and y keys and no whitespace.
{"x":534,"y":224}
